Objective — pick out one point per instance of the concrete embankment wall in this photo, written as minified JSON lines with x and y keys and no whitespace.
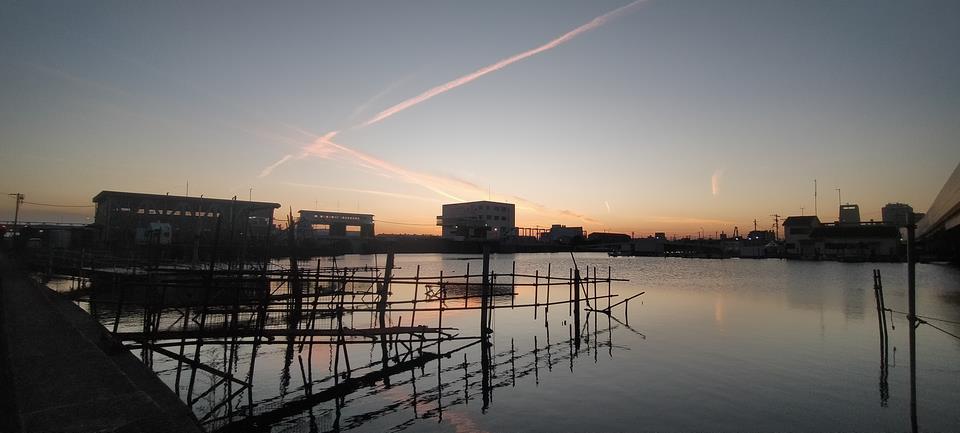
{"x":62,"y":371}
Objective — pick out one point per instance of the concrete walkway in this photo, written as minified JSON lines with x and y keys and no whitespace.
{"x":66,"y":373}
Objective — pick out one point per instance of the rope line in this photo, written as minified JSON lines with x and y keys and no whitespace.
{"x":940,"y":329}
{"x":925,"y":317}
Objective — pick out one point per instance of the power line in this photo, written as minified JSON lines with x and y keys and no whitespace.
{"x":57,"y":205}
{"x":404,"y":224}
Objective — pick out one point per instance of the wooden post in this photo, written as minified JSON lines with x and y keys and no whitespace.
{"x":609,"y":283}
{"x":576,"y":306}
{"x":466,"y":286}
{"x":416,"y":285}
{"x":384,"y":290}
{"x":485,"y":292}
{"x":547,"y":308}
{"x":912,"y":316}
{"x":513,"y":283}
{"x":536,"y":289}
{"x":116,"y":321}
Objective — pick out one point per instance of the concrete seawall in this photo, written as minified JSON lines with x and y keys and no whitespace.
{"x":62,"y":371}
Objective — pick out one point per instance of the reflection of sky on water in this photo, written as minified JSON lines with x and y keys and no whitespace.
{"x":725,"y":345}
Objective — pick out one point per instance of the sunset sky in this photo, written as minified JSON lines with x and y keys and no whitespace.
{"x":633,"y":117}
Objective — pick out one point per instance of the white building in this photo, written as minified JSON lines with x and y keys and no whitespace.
{"x":796,"y":235}
{"x":477,"y":220}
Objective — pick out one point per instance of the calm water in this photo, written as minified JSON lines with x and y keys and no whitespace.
{"x":713,"y":345}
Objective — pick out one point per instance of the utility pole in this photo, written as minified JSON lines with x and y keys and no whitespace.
{"x":912,"y":315}
{"x":776,"y":226}
{"x":16,"y":212}
{"x":839,"y":203}
{"x":250,"y":195}
{"x":815,"y":213}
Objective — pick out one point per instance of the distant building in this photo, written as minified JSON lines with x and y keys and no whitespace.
{"x":796,"y":235}
{"x":478,"y":220}
{"x":660,"y":235}
{"x":849,"y":214}
{"x":761,"y":237}
{"x":608,"y":238}
{"x":315,"y":224}
{"x":130,"y":218}
{"x":562,"y":234}
{"x":652,"y":246}
{"x":856,"y":243}
{"x":898,"y":214}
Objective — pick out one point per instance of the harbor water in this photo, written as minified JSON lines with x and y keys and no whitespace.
{"x":711,"y":345}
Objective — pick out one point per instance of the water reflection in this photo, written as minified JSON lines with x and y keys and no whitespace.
{"x":724,"y":344}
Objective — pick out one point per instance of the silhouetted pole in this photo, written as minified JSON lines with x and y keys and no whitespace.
{"x":384,"y":290}
{"x":816,"y":211}
{"x":16,"y":212}
{"x":485,"y":293}
{"x":295,"y":287}
{"x":576,"y":307}
{"x":912,"y":316}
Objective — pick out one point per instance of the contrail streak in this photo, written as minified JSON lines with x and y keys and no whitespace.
{"x":266,"y":171}
{"x":325,"y":147}
{"x":446,"y":186}
{"x":566,"y":37}
{"x":366,"y":191}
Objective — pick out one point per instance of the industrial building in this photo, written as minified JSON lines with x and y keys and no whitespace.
{"x":856,"y":243}
{"x":562,"y":234}
{"x":315,"y":224}
{"x":127,"y":219}
{"x":805,"y":237}
{"x":477,"y":220}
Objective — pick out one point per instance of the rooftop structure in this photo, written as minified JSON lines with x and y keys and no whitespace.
{"x":849,"y":214}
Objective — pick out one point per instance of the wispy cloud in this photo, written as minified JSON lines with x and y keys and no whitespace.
{"x":686,"y":221}
{"x":326,"y":147}
{"x":450,"y":85}
{"x":715,"y":182}
{"x":445,"y":186}
{"x":365,"y":191}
